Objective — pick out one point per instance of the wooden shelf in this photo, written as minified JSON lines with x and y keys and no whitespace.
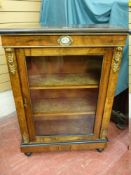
{"x":64,"y":106}
{"x":62,"y":81}
{"x":81,"y":126}
{"x":63,"y":116}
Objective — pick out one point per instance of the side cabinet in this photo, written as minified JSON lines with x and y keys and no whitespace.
{"x":63,"y":87}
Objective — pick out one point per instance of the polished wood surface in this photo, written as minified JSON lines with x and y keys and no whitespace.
{"x":16,"y":87}
{"x":42,"y":28}
{"x":64,"y":91}
{"x":52,"y":41}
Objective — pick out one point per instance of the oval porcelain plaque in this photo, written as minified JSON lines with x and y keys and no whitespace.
{"x":65,"y":40}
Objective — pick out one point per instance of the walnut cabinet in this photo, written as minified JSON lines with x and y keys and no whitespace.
{"x":63,"y":81}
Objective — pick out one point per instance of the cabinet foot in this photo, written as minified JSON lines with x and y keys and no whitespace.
{"x":28,"y":154}
{"x":100,"y":150}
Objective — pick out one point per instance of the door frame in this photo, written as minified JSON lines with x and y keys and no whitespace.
{"x":21,"y":54}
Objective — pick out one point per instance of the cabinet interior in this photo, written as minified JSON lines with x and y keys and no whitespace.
{"x":64,"y":93}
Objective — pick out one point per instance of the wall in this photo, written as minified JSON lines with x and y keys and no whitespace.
{"x":13,"y":12}
{"x":16,"y":12}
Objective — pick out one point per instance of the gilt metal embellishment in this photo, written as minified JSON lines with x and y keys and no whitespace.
{"x":65,"y":40}
{"x":117,"y":59}
{"x":10,"y":60}
{"x":25,"y":138}
{"x":104,"y":133}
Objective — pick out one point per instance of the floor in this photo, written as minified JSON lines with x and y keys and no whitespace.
{"x":7,"y":103}
{"x":130,"y":105}
{"x":113,"y":161}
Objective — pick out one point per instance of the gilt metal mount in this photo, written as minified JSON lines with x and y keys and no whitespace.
{"x":117,"y":59}
{"x":10,"y":60}
{"x":104,"y":133}
{"x":25,"y":138}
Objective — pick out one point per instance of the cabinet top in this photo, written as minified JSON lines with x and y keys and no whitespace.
{"x":43,"y":29}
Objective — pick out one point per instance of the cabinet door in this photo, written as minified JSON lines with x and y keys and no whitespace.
{"x":64,"y":91}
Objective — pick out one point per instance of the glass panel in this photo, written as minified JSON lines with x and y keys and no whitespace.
{"x":45,"y":72}
{"x":64,"y":93}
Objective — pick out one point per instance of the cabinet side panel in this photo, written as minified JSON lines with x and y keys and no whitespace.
{"x":116,"y":60}
{"x":15,"y":82}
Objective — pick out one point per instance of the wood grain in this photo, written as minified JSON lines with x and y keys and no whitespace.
{"x":103,"y":90}
{"x":15,"y":82}
{"x":110,"y":95}
{"x":64,"y":105}
{"x":54,"y":119}
{"x":52,"y":41}
{"x":25,"y":91}
{"x":63,"y":52}
{"x":69,"y":147}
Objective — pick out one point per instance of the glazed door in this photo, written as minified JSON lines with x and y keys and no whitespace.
{"x":64,"y":91}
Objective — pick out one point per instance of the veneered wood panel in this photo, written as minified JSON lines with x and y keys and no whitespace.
{"x":111,"y":90}
{"x":64,"y":147}
{"x":21,"y":89}
{"x":61,"y":51}
{"x":15,"y":81}
{"x":103,"y":88}
{"x":52,"y":41}
{"x":95,"y":51}
{"x":52,"y":51}
{"x":20,"y":56}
